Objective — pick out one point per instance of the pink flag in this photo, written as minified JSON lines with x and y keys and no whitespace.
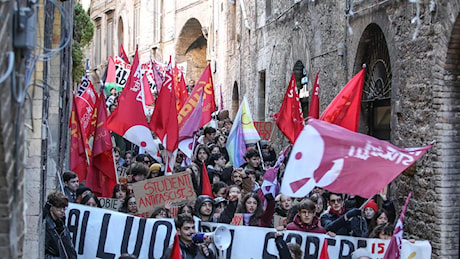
{"x":270,"y":185}
{"x":314,"y":103}
{"x":394,"y":247}
{"x":128,"y":119}
{"x":192,"y":125}
{"x":157,"y":76}
{"x":342,"y":161}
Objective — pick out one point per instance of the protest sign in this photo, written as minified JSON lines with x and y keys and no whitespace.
{"x":110,"y":203}
{"x":264,"y":129}
{"x":122,"y":70}
{"x":101,"y":233}
{"x":279,"y":221}
{"x":155,"y":192}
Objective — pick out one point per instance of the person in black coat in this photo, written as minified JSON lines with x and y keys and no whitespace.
{"x":58,"y":243}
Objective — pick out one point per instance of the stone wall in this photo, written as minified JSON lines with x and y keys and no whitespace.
{"x":423,"y":94}
{"x":330,"y":38}
{"x":11,"y":140}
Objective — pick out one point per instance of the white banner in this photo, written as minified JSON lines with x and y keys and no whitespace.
{"x":100,"y":233}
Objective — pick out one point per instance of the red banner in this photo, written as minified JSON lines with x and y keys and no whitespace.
{"x":264,"y":129}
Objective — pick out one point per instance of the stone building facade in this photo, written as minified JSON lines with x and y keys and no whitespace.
{"x":35,"y":81}
{"x":410,"y":48}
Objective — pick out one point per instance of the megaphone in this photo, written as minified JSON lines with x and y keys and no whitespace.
{"x":221,"y":237}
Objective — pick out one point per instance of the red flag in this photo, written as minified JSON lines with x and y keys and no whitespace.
{"x":175,"y":252}
{"x":128,"y":119}
{"x":394,"y":247}
{"x":208,"y":106}
{"x":78,"y":159}
{"x":328,"y":156}
{"x":111,"y":78}
{"x":314,"y":103}
{"x":85,"y":102}
{"x":344,"y":110}
{"x":181,"y":93}
{"x":148,"y":97}
{"x":324,"y":254}
{"x":206,"y":190}
{"x":103,"y":173}
{"x":123,"y":54}
{"x":164,"y":118}
{"x":290,"y":118}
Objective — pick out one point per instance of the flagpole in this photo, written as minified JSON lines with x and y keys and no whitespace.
{"x":115,"y":166}
{"x":273,"y":129}
{"x":261,"y":156}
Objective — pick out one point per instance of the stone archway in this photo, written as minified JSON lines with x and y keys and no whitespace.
{"x":375,"y":115}
{"x":235,"y":99}
{"x":446,"y":96}
{"x":376,"y":101}
{"x":191,"y":47}
{"x":120,"y":32}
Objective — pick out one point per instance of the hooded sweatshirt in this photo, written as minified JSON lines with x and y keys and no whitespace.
{"x":314,"y":227}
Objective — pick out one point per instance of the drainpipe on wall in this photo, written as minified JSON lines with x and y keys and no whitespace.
{"x":245,"y":17}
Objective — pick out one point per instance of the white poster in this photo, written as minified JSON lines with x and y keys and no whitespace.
{"x":101,"y":233}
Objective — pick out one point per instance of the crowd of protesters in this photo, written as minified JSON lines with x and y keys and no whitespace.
{"x":235,"y":190}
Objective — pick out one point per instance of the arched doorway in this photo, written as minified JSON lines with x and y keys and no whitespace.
{"x":301,"y":80}
{"x":191,"y":48}
{"x":120,"y":33}
{"x":448,"y":100}
{"x":376,"y":101}
{"x":235,"y":99}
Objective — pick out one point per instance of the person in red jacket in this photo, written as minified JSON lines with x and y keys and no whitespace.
{"x":306,"y":219}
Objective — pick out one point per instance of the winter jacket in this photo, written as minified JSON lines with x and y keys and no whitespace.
{"x":314,"y":227}
{"x":58,"y":243}
{"x":356,"y":226}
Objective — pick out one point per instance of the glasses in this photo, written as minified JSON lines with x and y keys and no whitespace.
{"x":339,"y":200}
{"x":148,"y":161}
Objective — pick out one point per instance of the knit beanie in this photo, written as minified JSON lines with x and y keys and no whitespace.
{"x":371,"y":204}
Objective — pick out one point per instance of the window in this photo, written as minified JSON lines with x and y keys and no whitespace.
{"x":97,"y":43}
{"x":121,"y":33}
{"x":136,"y":34}
{"x":156,"y":21}
{"x":261,"y":97}
{"x":110,"y":36}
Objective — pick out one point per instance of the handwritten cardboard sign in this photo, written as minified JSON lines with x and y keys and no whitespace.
{"x":264,"y":129}
{"x":278,"y":221}
{"x":155,"y":192}
{"x":110,"y":203}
